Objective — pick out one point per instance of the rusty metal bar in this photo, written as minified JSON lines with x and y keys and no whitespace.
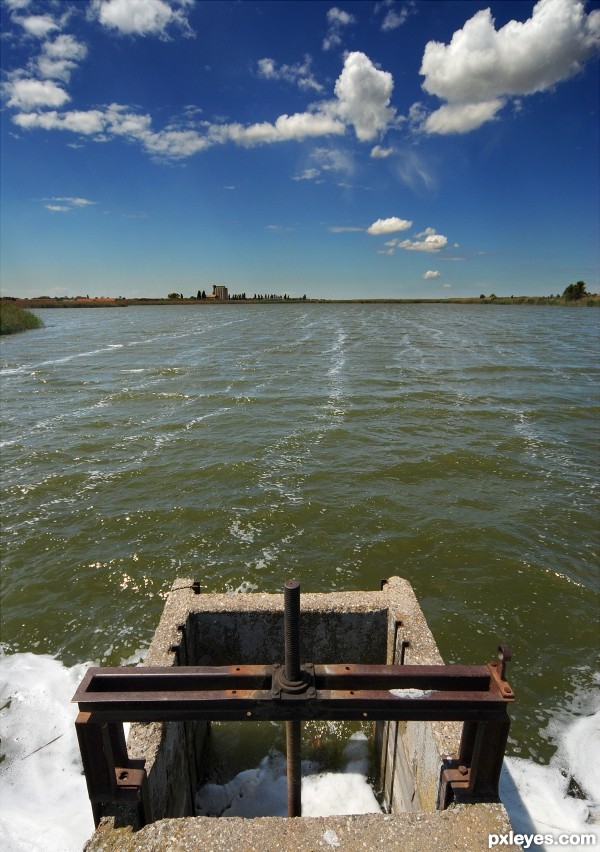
{"x":337,"y":692}
{"x":105,"y":683}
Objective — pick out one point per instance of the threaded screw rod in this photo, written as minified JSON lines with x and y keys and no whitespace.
{"x":293,"y":738}
{"x":293,"y":730}
{"x":291,"y":621}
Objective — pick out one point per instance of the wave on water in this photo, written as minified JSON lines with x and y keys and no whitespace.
{"x":41,"y":781}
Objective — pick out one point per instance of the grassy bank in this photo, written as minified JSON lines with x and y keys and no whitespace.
{"x":14,"y":318}
{"x":589,"y":300}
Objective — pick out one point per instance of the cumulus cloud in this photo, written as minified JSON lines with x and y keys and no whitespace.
{"x":364,"y":94}
{"x":38,"y":25}
{"x":337,"y":20}
{"x":389,"y":226}
{"x":428,"y":241}
{"x":299,"y":74}
{"x":483,"y":67}
{"x":431,"y":274}
{"x":86,"y":123}
{"x":362,"y":98}
{"x":431,"y":243}
{"x":461,"y":118}
{"x":28,"y":94}
{"x":301,"y":125}
{"x":143,"y":17}
{"x":59,"y":58}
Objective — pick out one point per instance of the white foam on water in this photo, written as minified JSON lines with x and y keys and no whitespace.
{"x":45,"y":807}
{"x":563,"y":796}
{"x":263,"y":791}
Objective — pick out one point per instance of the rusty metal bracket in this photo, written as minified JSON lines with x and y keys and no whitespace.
{"x":301,"y":689}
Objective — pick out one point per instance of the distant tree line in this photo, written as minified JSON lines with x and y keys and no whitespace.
{"x":257,"y":297}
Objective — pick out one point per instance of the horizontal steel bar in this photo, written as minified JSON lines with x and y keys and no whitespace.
{"x":326,"y":705}
{"x":173,"y":679}
{"x":182,"y":679}
{"x":349,"y":676}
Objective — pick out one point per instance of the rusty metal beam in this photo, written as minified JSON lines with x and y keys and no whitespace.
{"x":336,"y":692}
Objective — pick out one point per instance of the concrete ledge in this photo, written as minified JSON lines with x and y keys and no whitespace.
{"x":465,"y":827}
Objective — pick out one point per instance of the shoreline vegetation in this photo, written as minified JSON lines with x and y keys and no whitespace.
{"x":42,"y":302}
{"x":15,"y":317}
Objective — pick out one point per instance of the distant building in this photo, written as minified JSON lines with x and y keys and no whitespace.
{"x":220,"y":291}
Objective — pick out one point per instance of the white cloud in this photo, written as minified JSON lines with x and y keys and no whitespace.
{"x":307,"y":174}
{"x":431,"y":274}
{"x":59,"y":57}
{"x":143,"y":17}
{"x":394,"y":16}
{"x":27,"y":94}
{"x":394,"y":19}
{"x":364,"y":94}
{"x":461,"y":118}
{"x":340,"y":18}
{"x":431,"y":243}
{"x":389,"y":226}
{"x":299,"y":74}
{"x":67,"y":203}
{"x":286,"y":128}
{"x":75,"y":202}
{"x":38,"y":25}
{"x":337,"y":20}
{"x":87,"y":123}
{"x":65,"y":47}
{"x":482,"y":66}
{"x":333,"y":160}
{"x":16,"y":5}
{"x":362,"y":101}
{"x":379,"y":153}
{"x":412,"y":169}
{"x":171,"y":143}
{"x":344,"y":229}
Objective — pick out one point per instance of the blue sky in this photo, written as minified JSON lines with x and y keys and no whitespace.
{"x":352,"y":149}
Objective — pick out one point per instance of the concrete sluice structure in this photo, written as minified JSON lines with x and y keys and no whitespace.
{"x":375,"y":627}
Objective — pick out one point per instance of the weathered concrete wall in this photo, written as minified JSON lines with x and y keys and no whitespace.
{"x":412,"y":752}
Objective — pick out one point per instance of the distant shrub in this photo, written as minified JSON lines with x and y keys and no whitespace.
{"x":14,"y":318}
{"x":575,"y":291}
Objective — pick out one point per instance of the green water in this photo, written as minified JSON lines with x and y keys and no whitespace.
{"x":242,"y":445}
